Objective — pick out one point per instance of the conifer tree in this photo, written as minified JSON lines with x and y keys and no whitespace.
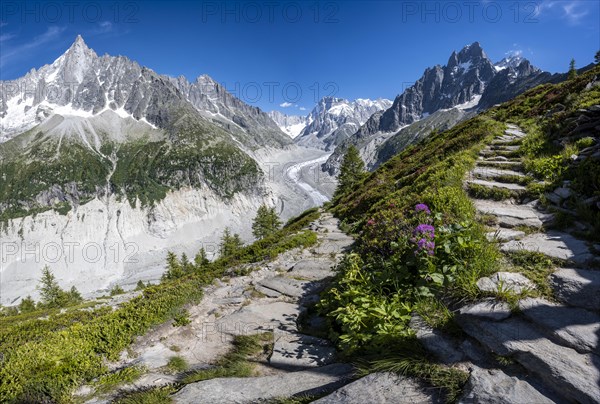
{"x":597,"y":57}
{"x":265,"y":223}
{"x":201,"y":260}
{"x":352,"y":171}
{"x":230,"y":244}
{"x":174,"y":268}
{"x":572,"y":70}
{"x":51,"y":293}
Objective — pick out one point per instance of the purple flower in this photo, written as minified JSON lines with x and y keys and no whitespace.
{"x":425,"y":230}
{"x":421,"y":207}
{"x":370,"y":222}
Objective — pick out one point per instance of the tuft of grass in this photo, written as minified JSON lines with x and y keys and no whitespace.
{"x":437,"y":315}
{"x":177,"y":364}
{"x":537,"y":267}
{"x":240,"y":361}
{"x":450,"y":380}
{"x":108,"y":382}
{"x":154,"y":395}
{"x":117,"y":290}
{"x":494,"y":193}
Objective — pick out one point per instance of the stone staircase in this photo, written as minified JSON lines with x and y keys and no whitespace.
{"x":555,"y":345}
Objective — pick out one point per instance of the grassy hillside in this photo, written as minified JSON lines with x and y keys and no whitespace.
{"x":49,"y":352}
{"x":420,"y":247}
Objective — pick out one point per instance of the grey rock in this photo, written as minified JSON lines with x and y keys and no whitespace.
{"x":294,"y":351}
{"x":577,"y":287}
{"x":435,"y":342}
{"x":495,"y":184}
{"x":236,"y":390}
{"x":491,"y":173}
{"x":574,"y":327}
{"x":383,"y":388}
{"x":554,"y":244}
{"x":505,"y":235}
{"x":229,"y":300}
{"x":489,"y":309}
{"x":493,"y":386}
{"x":568,"y":373}
{"x":288,"y":286}
{"x":266,"y":291}
{"x":563,"y":192}
{"x":512,"y":281}
{"x":260,"y":317}
{"x":313,"y":269}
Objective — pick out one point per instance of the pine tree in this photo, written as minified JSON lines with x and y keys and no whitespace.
{"x":597,"y":57}
{"x":74,"y":296}
{"x":27,"y":305}
{"x":265,"y":223}
{"x":174,"y":268}
{"x":230,"y":244}
{"x":352,"y":171}
{"x":51,"y":294}
{"x":201,"y":259}
{"x":572,"y":70}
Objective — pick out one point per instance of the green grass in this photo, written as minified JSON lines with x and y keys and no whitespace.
{"x":494,"y":193}
{"x":239,"y":361}
{"x":449,"y":380}
{"x":537,"y":267}
{"x":45,"y":360}
{"x":177,"y":364}
{"x":109,"y":382}
{"x":155,"y":395}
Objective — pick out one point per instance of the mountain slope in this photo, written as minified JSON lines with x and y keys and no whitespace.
{"x":292,"y":125}
{"x":334,"y":119}
{"x":469,"y":80}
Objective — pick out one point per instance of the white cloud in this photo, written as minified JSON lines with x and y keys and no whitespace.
{"x":302,"y":109}
{"x":286,"y":104}
{"x":10,"y":53}
{"x":6,"y":37}
{"x":571,"y":10}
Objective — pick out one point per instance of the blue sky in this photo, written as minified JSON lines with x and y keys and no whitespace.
{"x":286,"y":54}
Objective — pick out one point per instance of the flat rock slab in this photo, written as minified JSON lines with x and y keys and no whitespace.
{"x":509,"y":215}
{"x":237,"y":390}
{"x":489,"y":172}
{"x":295,"y":351}
{"x":577,"y":287}
{"x":493,"y":386}
{"x":515,"y":131}
{"x":313,"y":269}
{"x":495,"y":184}
{"x":383,"y":388}
{"x":329,"y":247}
{"x":505,"y":235}
{"x":553,"y":244}
{"x":512,"y":281}
{"x":435,"y":342}
{"x":577,"y":328}
{"x":489,"y":309}
{"x":288,"y":286}
{"x":260,"y":317}
{"x":572,"y":375}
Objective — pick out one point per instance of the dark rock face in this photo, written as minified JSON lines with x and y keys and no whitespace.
{"x":467,"y":75}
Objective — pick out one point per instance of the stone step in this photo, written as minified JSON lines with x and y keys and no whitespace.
{"x":505,"y":139}
{"x":510,"y":215}
{"x":383,"y":387}
{"x":331,"y":247}
{"x":569,"y":326}
{"x":577,"y":287}
{"x":493,"y":386}
{"x":515,"y":131}
{"x":236,"y":390}
{"x":554,"y":244}
{"x":505,"y":235}
{"x":260,"y":316}
{"x":572,"y":375}
{"x":313,"y":269}
{"x":294,"y":351}
{"x":513,"y":281}
{"x":498,"y":153}
{"x":515,"y":165}
{"x":289,"y":286}
{"x":495,"y":184}
{"x":503,"y":147}
{"x":493,"y":173}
